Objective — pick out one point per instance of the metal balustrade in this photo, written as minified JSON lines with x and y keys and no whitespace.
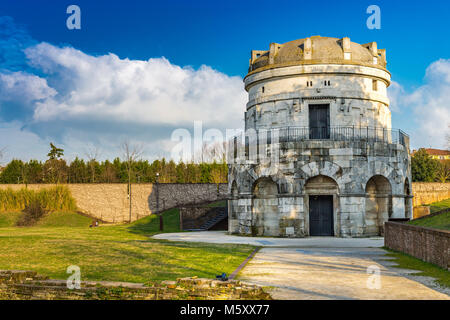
{"x":340,"y":133}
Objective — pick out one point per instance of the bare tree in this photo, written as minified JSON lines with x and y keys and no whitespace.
{"x":131,"y":153}
{"x":2,"y":153}
{"x":92,"y":154}
{"x":213,"y":151}
{"x":443,"y":171}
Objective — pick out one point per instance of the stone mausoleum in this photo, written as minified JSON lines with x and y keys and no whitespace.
{"x":319,"y":156}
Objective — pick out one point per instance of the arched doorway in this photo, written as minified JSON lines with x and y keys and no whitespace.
{"x":378,"y":204}
{"x":321,"y":198}
{"x":265,"y":208}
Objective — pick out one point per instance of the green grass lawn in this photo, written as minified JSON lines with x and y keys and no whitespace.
{"x":8,"y":219}
{"x":64,"y":219}
{"x":437,"y":206}
{"x":405,"y":261}
{"x":111,"y":252}
{"x":440,"y":221}
{"x":222,"y":203}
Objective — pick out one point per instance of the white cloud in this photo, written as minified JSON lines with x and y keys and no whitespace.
{"x":429,"y":105}
{"x":24,"y":87}
{"x":146,"y":92}
{"x":80,"y":99}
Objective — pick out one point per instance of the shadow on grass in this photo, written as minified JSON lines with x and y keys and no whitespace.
{"x":150,"y":225}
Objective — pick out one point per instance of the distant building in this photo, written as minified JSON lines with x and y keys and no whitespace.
{"x":436,"y":154}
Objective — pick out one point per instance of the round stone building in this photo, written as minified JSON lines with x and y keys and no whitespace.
{"x":319,"y":156}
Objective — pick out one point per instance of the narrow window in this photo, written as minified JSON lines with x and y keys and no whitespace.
{"x":262,"y":89}
{"x":374,"y":85}
{"x":328,"y":82}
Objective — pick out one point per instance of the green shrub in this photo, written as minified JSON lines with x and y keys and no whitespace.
{"x":51,"y":199}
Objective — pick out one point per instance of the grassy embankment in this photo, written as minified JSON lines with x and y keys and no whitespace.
{"x":110,"y":252}
{"x":438,"y":206}
{"x":439,"y":221}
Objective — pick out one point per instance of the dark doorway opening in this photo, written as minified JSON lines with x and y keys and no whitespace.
{"x":319,"y":121}
{"x":321,"y":216}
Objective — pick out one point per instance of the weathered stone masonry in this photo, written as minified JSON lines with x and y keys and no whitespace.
{"x":319,"y":155}
{"x":28,"y":285}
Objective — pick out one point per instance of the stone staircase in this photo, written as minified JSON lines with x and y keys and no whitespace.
{"x":213,"y":217}
{"x":222,"y":214}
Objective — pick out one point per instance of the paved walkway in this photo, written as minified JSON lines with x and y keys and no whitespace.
{"x":323,"y":268}
{"x":312,"y":242}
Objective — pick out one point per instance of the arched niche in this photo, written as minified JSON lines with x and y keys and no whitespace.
{"x":233,"y":202}
{"x":265,"y":220}
{"x":408,"y":200}
{"x":378,"y":204}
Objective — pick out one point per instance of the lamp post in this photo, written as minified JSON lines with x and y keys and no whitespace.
{"x":161,"y":224}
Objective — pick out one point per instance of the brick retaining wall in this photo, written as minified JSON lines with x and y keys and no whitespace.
{"x":430,"y":245}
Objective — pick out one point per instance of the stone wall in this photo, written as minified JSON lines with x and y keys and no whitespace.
{"x":430,"y":245}
{"x":349,"y":165}
{"x":27,"y":285}
{"x":110,"y":202}
{"x":429,"y":192}
{"x":421,"y":211}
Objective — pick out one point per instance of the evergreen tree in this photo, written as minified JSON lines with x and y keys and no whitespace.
{"x":33,"y":172}
{"x":12,"y":172}
{"x":423,"y":167}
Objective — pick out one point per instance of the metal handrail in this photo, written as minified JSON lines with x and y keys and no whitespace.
{"x":337,"y":133}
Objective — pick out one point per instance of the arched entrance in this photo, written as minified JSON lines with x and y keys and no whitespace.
{"x":321,"y":198}
{"x":265,"y":208}
{"x":378,"y":204}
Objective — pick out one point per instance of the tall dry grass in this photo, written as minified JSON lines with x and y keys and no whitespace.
{"x":56,"y":198}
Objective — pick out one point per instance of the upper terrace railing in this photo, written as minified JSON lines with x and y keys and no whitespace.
{"x":339,"y":133}
{"x":350,"y":133}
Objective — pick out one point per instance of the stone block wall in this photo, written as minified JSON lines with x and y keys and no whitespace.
{"x":429,"y":192}
{"x":349,"y":165}
{"x":430,"y":245}
{"x":421,"y":211}
{"x":110,"y":202}
{"x":27,"y":285}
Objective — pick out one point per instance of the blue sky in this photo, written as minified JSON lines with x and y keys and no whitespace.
{"x":217,"y":35}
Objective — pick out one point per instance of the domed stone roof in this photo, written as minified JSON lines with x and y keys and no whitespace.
{"x":318,"y":50}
